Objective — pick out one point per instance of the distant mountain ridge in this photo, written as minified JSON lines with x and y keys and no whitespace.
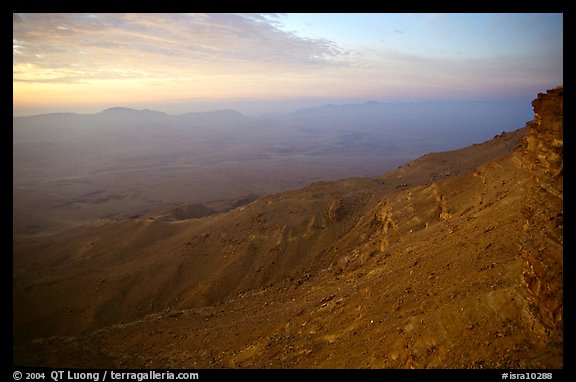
{"x":126,"y":110}
{"x":121,"y":110}
{"x":410,"y":127}
{"x":126,"y":116}
{"x":344,"y":108}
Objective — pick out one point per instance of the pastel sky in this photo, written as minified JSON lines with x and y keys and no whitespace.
{"x":86,"y":62}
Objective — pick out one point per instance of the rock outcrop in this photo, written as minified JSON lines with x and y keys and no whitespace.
{"x":545,"y":141}
{"x":542,"y":249}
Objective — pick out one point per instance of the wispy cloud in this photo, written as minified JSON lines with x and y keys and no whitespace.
{"x":118,"y":58}
{"x":99,"y":46}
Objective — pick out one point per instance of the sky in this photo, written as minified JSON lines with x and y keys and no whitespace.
{"x":256,"y":62}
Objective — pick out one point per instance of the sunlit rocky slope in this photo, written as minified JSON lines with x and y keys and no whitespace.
{"x":454,"y":260}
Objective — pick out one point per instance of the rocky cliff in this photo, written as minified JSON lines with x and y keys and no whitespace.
{"x":543,"y":210}
{"x":544,"y":143}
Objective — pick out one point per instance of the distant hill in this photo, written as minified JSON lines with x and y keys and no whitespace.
{"x":458,"y":123}
{"x":126,"y":117}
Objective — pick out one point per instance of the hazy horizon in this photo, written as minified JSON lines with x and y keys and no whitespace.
{"x":273,"y":63}
{"x":255,"y":108}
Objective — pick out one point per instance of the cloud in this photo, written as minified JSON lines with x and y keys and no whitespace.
{"x":423,"y":74}
{"x":163,"y":44}
{"x":253,"y":55}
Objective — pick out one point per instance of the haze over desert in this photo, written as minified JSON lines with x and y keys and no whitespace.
{"x":288,"y":191}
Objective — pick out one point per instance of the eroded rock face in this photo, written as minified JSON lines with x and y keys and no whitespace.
{"x":543,"y":150}
{"x":545,"y":141}
{"x":543,"y":210}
